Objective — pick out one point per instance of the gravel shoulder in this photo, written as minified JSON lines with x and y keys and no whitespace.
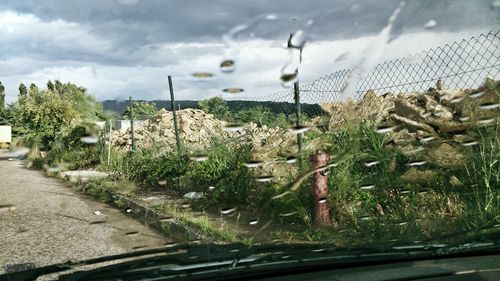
{"x":44,"y":221}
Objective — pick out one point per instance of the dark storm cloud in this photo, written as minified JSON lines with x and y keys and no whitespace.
{"x":122,"y":47}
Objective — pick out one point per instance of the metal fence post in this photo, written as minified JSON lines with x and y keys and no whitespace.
{"x":131,"y":115}
{"x":172,"y":102}
{"x":109,"y":144}
{"x":296,"y":96}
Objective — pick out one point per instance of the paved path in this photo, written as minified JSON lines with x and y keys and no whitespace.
{"x":44,"y":221}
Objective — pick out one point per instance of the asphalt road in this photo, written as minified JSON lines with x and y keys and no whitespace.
{"x":44,"y":221}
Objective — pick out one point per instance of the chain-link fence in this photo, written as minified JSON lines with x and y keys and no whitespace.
{"x":460,"y":65}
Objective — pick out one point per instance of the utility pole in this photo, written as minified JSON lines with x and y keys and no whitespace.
{"x":296,"y":97}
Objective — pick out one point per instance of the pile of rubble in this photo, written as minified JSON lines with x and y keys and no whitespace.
{"x":439,"y":120}
{"x":197,"y":129}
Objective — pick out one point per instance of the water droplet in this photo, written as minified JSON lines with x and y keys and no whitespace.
{"x":342,"y":57}
{"x":384,"y":129}
{"x":310,"y":22}
{"x":227,"y":211}
{"x":426,"y":139}
{"x":253,"y":164}
{"x":368,"y":187}
{"x":298,"y":39}
{"x":253,"y":222}
{"x":211,"y":187}
{"x":438,"y":113}
{"x":404,"y":192}
{"x":132,"y":232}
{"x":199,"y":158}
{"x":185,"y":205}
{"x":288,"y":79}
{"x":162,"y":182}
{"x":416,"y":163}
{"x":418,"y":149}
{"x":233,"y":127}
{"x":129,"y":210}
{"x":469,"y":143}
{"x":403,"y":223}
{"x":8,"y":207}
{"x":202,"y":74}
{"x":89,"y":139}
{"x":288,"y":214}
{"x":322,"y":200}
{"x":457,"y":99}
{"x":430,"y":24}
{"x":97,"y":222}
{"x":298,"y":129}
{"x":489,"y":105}
{"x":227,"y":66}
{"x":265,"y":179}
{"x":486,"y":121}
{"x":98,"y":213}
{"x":291,"y":160}
{"x":426,"y":114}
{"x":476,"y":95}
{"x":167,"y":219}
{"x":373,"y":163}
{"x":271,"y":17}
{"x":464,"y":118}
{"x":53,"y":170}
{"x":233,"y":90}
{"x":318,"y":250}
{"x":366,"y":218}
{"x":139,"y":247}
{"x":281,"y":194}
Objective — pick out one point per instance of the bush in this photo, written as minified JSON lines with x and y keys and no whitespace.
{"x":225,"y":171}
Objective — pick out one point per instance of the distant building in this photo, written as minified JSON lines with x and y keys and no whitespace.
{"x":125,"y":124}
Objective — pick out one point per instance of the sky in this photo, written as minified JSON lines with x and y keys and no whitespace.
{"x":122,"y":48}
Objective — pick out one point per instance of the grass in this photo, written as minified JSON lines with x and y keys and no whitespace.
{"x":202,"y":223}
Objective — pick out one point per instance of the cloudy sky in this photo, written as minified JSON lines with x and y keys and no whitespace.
{"x":121,"y":48}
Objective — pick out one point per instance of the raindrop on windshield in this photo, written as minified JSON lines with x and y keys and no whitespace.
{"x":227,"y":211}
{"x":373,"y":163}
{"x":227,"y":66}
{"x":233,"y":127}
{"x":489,"y":105}
{"x":253,"y":222}
{"x":89,"y":139}
{"x":416,"y":163}
{"x":476,"y":95}
{"x":464,"y":118}
{"x":426,"y":139}
{"x":265,"y":179}
{"x":298,"y":39}
{"x":233,"y":90}
{"x":202,"y":75}
{"x":384,"y":129}
{"x":253,"y":164}
{"x":486,"y":120}
{"x":291,"y":160}
{"x":469,"y":143}
{"x":162,"y":182}
{"x":430,"y":24}
{"x":271,"y":17}
{"x":322,"y":200}
{"x":288,"y":79}
{"x":298,"y":129}
{"x":199,"y":158}
{"x":368,"y":187}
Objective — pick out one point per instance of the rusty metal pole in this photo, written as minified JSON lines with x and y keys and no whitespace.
{"x":172,"y":103}
{"x":319,"y":189}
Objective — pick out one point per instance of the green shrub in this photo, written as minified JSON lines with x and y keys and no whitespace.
{"x":225,"y":171}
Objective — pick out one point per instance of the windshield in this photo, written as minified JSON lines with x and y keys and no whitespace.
{"x":131,"y":125}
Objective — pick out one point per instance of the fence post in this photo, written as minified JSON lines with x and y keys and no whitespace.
{"x":319,"y":189}
{"x":172,"y":102}
{"x":131,"y":115}
{"x":296,"y":96}
{"x":109,"y":144}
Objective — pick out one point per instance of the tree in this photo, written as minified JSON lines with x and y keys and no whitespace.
{"x":23,"y":91}
{"x":217,"y":107}
{"x":50,"y":86}
{"x":45,"y":115}
{"x":141,"y":109}
{"x":2,"y":96}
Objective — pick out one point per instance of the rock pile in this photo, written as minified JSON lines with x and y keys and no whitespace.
{"x":439,"y":120}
